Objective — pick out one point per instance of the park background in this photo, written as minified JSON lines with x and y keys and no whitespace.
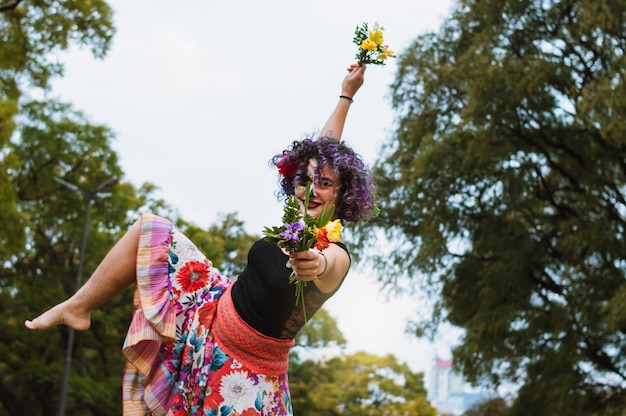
{"x":502,"y":187}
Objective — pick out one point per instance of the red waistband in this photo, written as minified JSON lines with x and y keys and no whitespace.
{"x":262,"y":354}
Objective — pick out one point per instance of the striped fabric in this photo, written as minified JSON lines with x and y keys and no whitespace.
{"x":154,"y":318}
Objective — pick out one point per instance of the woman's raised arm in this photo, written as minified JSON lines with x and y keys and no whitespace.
{"x":350,"y":85}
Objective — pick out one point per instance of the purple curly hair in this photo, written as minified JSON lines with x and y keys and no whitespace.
{"x":356,"y":199}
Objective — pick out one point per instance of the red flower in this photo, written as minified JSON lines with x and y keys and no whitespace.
{"x":213,"y":399}
{"x":167,"y":348}
{"x":321,"y":238}
{"x":175,"y":294}
{"x":286,"y":167}
{"x":178,"y":401}
{"x":206,"y":313}
{"x":180,"y":412}
{"x":192,"y":276}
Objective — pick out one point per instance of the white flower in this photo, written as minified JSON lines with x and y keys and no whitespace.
{"x":238,"y":390}
{"x":235,"y":365}
{"x":267,"y":386}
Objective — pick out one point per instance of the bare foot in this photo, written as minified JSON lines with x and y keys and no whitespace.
{"x":62,"y":314}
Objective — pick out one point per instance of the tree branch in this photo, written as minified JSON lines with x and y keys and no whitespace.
{"x":9,"y":5}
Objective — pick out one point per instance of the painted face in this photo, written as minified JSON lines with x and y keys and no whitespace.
{"x":323,"y":190}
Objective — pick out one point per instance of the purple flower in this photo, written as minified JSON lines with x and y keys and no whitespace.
{"x":291,"y":231}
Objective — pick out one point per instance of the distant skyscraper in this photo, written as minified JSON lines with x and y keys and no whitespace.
{"x":447,"y":390}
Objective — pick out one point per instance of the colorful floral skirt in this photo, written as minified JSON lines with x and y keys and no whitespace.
{"x":187,"y":351}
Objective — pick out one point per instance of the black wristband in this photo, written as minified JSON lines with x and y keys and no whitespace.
{"x":347,"y":98}
{"x":325,"y":264}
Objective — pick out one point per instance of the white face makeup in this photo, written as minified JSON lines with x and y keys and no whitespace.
{"x":323,"y":190}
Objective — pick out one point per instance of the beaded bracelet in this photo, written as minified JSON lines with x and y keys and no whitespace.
{"x":347,"y":98}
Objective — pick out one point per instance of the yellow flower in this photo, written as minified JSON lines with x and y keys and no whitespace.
{"x":334,"y":230}
{"x":368,"y":45}
{"x":376,"y":35}
{"x":385,"y":53}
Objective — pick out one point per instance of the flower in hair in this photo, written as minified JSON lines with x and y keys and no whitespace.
{"x":287,"y":167}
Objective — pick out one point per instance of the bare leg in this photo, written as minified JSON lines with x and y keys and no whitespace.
{"x":115,"y":273}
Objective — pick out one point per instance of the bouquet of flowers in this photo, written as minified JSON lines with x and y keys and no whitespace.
{"x":300,"y":232}
{"x":371,"y":48}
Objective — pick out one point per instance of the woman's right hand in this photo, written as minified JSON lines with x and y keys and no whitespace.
{"x":306,"y":264}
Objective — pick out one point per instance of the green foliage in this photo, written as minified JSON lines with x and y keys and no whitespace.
{"x":356,"y":384}
{"x":504,"y":187}
{"x":291,"y":217}
{"x":359,"y":384}
{"x":320,"y":335}
{"x":491,"y":407}
{"x":320,"y":332}
{"x":32,"y":32}
{"x":54,"y":141}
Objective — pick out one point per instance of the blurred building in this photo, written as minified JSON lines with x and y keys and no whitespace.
{"x":448,"y":391}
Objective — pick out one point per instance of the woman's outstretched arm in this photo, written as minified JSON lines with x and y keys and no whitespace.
{"x":349,"y":87}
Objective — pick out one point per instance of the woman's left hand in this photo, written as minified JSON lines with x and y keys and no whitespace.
{"x":307,"y":264}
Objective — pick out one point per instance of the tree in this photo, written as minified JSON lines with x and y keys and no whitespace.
{"x":504,"y":190}
{"x":55,"y":142}
{"x":31,"y":32}
{"x":319,"y":333}
{"x":358,"y":384}
{"x":491,"y":407}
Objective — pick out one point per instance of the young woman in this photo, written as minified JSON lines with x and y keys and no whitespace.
{"x":201,"y":344}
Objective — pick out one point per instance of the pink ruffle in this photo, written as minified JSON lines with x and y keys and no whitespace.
{"x":154,"y":318}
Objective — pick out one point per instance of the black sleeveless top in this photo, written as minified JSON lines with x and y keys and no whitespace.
{"x":264,"y":298}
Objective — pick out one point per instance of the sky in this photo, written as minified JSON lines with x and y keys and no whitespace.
{"x":201,"y":94}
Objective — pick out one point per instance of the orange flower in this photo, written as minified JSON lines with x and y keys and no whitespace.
{"x":321,"y":238}
{"x":192,"y":276}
